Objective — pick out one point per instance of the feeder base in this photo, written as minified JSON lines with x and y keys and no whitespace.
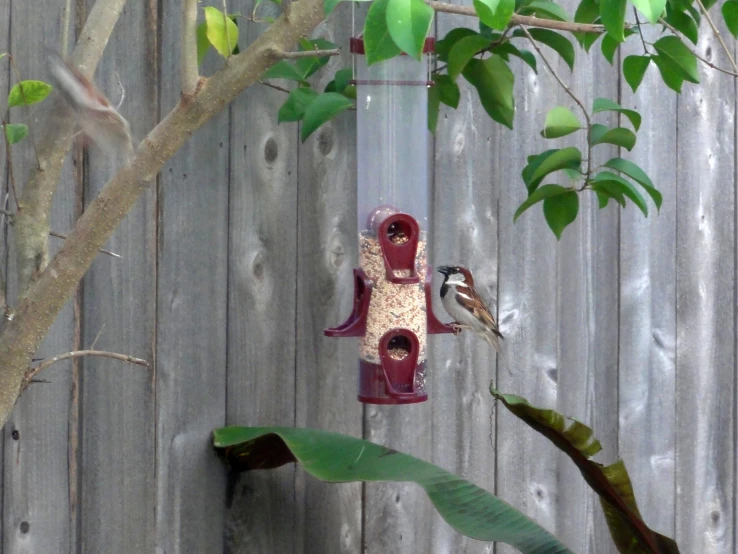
{"x":391,"y":401}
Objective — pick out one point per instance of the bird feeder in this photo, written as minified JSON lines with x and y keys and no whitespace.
{"x":392,"y":312}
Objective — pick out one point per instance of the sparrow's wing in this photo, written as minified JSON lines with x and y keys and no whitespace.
{"x":470,"y":300}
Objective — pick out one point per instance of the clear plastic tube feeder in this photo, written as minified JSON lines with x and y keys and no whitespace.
{"x":392,"y":311}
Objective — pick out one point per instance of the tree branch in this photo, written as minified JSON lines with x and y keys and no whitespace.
{"x":528,"y":20}
{"x":33,"y":371}
{"x":718,"y":35}
{"x":307,"y":54}
{"x":32,"y":221}
{"x":188,"y":61}
{"x":51,"y":290}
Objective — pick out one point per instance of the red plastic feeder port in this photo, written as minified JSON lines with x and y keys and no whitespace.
{"x":399,"y":378}
{"x":435,"y":325}
{"x":398,"y":239}
{"x":355,"y":325}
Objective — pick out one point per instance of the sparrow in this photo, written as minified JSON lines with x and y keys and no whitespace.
{"x":463,"y":303}
{"x":92,"y":111}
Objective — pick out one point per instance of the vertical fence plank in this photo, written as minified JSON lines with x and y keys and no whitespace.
{"x":37,"y":499}
{"x":329,"y":519}
{"x":588,"y":320}
{"x":529,"y":319}
{"x":464,"y":232}
{"x":191,"y":321}
{"x":261,"y":306}
{"x":705,"y":310}
{"x":647,"y":307}
{"x":119,"y":303}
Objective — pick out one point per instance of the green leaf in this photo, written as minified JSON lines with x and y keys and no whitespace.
{"x":408,"y":22}
{"x":495,"y":13}
{"x":507,"y":48}
{"x":307,"y":66}
{"x":674,"y":52}
{"x":604,"y":192}
{"x":340,"y":81}
{"x":671,"y":76}
{"x":730,"y":15}
{"x":538,"y":195}
{"x":329,"y":6}
{"x":612,"y":13}
{"x":545,"y":9}
{"x":625,"y":187}
{"x":337,"y":458}
{"x":297,"y":102}
{"x":203,"y":44}
{"x":378,"y":43}
{"x":652,"y":9}
{"x":434,"y":106}
{"x":494,"y":83}
{"x":322,"y":109}
{"x":634,"y":68}
{"x":33,"y":92}
{"x":558,"y":42}
{"x":221,"y":31}
{"x":463,"y":51}
{"x":605,"y":105}
{"x":560,"y":121}
{"x":547,"y":162}
{"x":443,"y":46}
{"x":283,"y":70}
{"x":588,"y":11}
{"x":620,"y":136}
{"x":609,"y":46}
{"x":683,"y":23}
{"x":448,"y":90}
{"x":3,"y":54}
{"x":639,"y":176}
{"x":15,"y":132}
{"x":560,"y":211}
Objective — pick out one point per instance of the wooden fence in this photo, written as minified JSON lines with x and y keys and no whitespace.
{"x":242,"y":254}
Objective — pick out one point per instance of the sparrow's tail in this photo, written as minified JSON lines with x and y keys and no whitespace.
{"x":493,"y":337}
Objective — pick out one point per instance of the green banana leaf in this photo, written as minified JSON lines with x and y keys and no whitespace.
{"x":612,"y":483}
{"x":337,"y":458}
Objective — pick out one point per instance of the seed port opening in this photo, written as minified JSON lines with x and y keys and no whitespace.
{"x":399,"y":347}
{"x":399,"y":232}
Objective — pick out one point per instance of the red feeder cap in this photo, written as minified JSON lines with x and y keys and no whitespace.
{"x":357,"y":46}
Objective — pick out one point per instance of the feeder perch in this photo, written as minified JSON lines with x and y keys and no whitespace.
{"x":392,"y":313}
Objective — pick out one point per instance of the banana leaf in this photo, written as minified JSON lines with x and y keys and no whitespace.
{"x":337,"y":458}
{"x":612,"y":483}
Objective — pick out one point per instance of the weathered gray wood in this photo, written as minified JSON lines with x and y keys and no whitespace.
{"x":646,"y":434}
{"x":529,"y":319}
{"x":191,"y":323}
{"x":118,"y":462}
{"x":705,"y":311}
{"x":464,"y":231}
{"x":261,"y":306}
{"x":329,"y":516}
{"x":36,"y":503}
{"x":588,"y":323}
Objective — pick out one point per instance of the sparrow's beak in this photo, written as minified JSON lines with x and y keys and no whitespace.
{"x":446,"y":270}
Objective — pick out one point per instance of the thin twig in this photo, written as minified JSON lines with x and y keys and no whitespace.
{"x":718,"y":35}
{"x":640,"y":31}
{"x":97,"y":337}
{"x":528,"y":20}
{"x":570,"y":93}
{"x":307,"y":54}
{"x":9,"y":158}
{"x":696,"y":54}
{"x":275,"y":87}
{"x":66,"y":16}
{"x":10,"y":215}
{"x":28,"y":111}
{"x":189,"y":72}
{"x":32,"y":372}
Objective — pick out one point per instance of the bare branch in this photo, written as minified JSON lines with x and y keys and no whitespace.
{"x":695,"y":53}
{"x":32,"y":220}
{"x":50,"y":291}
{"x":718,"y":36}
{"x":307,"y":54}
{"x":188,"y":61}
{"x":32,"y":372}
{"x":66,"y":16}
{"x":528,"y":20}
{"x":275,"y":87}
